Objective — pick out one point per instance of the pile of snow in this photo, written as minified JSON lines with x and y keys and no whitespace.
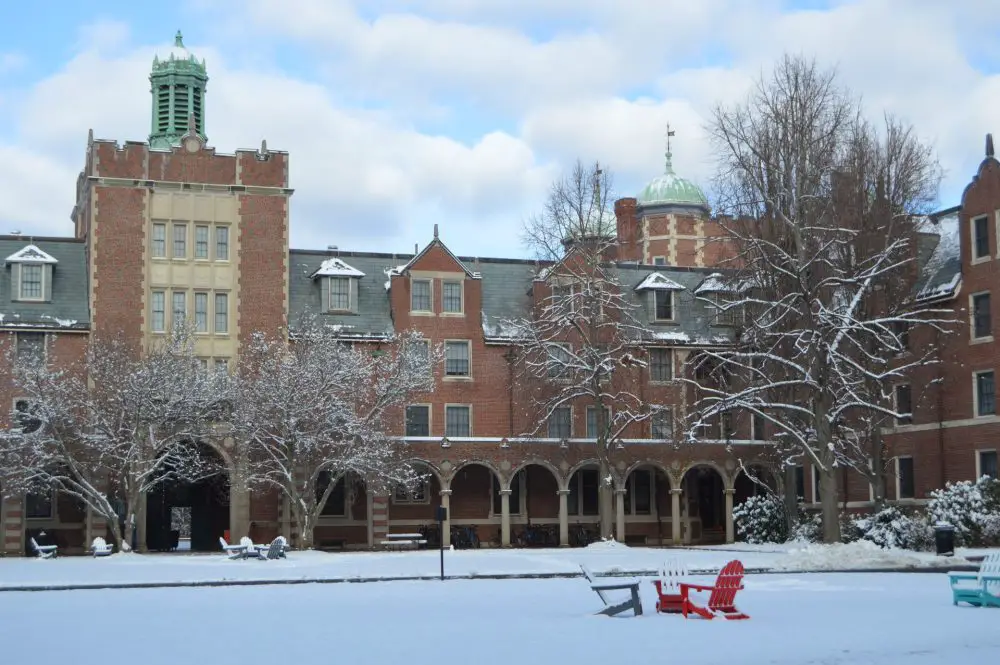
{"x":607,"y":544}
{"x":860,"y":554}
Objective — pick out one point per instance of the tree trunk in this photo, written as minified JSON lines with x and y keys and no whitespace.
{"x":791,"y":499}
{"x":828,"y":501}
{"x":605,"y":501}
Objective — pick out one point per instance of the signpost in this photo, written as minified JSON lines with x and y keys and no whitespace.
{"x":442,"y":514}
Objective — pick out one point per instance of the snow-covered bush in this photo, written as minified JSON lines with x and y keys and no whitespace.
{"x":891,"y":529}
{"x":761,"y":519}
{"x":973,"y":508}
{"x":808,"y":528}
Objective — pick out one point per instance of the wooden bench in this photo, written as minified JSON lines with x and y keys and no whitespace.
{"x":400,"y":541}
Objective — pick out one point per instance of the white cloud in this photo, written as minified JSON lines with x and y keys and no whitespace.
{"x":370,"y":118}
{"x":12,"y":62}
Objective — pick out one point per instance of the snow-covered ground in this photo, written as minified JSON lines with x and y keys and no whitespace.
{"x":833,"y":619}
{"x":125,"y":569}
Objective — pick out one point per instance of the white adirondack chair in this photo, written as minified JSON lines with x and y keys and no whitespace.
{"x":101,"y":548}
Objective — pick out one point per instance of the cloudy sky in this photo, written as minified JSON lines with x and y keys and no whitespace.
{"x":400,"y":114}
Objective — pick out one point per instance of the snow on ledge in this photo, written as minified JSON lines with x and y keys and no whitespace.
{"x":335,"y":267}
{"x":657,"y":281}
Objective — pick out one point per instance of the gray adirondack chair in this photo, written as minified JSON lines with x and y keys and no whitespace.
{"x":611,"y":608}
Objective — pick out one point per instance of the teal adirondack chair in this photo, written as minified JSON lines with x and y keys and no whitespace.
{"x":981,"y":589}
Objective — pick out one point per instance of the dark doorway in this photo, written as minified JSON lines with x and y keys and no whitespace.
{"x":181,"y":511}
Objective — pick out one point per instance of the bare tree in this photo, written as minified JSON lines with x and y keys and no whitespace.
{"x":583,"y":332}
{"x":112,"y":428}
{"x":320,"y":409}
{"x":821,"y":205}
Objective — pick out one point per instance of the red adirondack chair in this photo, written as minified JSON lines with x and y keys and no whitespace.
{"x":730,"y":581}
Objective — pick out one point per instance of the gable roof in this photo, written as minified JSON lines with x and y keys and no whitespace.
{"x":336,"y":267}
{"x":656,"y":281}
{"x":69,"y":307}
{"x":436,"y":242}
{"x":30,"y":254}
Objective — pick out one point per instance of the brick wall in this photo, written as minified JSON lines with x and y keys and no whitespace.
{"x":263,"y":230}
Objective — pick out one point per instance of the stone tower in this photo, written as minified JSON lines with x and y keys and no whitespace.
{"x":178,"y":84}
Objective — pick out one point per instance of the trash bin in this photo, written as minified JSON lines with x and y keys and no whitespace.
{"x":944,"y":539}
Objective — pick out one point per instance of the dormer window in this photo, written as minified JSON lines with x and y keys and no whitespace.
{"x":339,"y":286}
{"x":31,"y":275}
{"x":661,"y":296}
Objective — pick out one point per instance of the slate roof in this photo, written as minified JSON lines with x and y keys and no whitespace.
{"x":69,"y":308}
{"x":373,"y":319}
{"x":939,"y":253}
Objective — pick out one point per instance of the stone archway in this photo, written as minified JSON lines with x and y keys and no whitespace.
{"x":704,"y":506}
{"x":754,"y":480}
{"x":645,"y":510}
{"x":476,"y":499}
{"x":583,"y":503}
{"x":536,"y":490}
{"x":190,"y":513}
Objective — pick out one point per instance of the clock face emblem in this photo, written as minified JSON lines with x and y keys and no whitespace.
{"x":191,"y":143}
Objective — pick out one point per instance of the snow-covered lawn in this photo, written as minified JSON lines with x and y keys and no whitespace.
{"x":123,"y":569}
{"x":825,"y":618}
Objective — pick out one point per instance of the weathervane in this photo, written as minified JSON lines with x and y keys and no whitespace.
{"x":670,"y":166}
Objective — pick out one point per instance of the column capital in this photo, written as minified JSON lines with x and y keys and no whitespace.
{"x":620,"y":490}
{"x":562,"y":492}
{"x":505,"y":492}
{"x":445,"y":492}
{"x":730,"y":491}
{"x":677,"y":491}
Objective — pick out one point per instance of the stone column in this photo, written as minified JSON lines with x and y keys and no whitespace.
{"x":446,"y":525}
{"x":380,"y":518}
{"x":675,"y":516}
{"x":730,"y":528}
{"x":239,"y":498}
{"x":620,"y":515}
{"x":11,"y":527}
{"x":504,"y":518}
{"x":563,"y":518}
{"x":370,"y":513}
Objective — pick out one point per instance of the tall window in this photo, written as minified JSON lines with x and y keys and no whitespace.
{"x":222,"y":312}
{"x":561,"y":423}
{"x":457,"y":421}
{"x":904,"y":471}
{"x":180,"y":241}
{"x":456,"y":358}
{"x":451,"y":297}
{"x":30,"y":346}
{"x":986,"y":403}
{"x":221,"y":243}
{"x":420,"y":295}
{"x":180,"y":307}
{"x":660,"y":367}
{"x":583,"y":491}
{"x":418,"y":420}
{"x":723,"y":316}
{"x":639,"y":493}
{"x":38,"y":506}
{"x":563,"y":298}
{"x":201,"y":312}
{"x":982,"y":324}
{"x":592,"y":425}
{"x":31,"y":282}
{"x":340,"y":293}
{"x":157,"y":307}
{"x":664,"y":301}
{"x":201,"y":242}
{"x":980,"y":237}
{"x":663,"y":424}
{"x":904,"y":405}
{"x":902,"y":331}
{"x":988,"y":463}
{"x":558,"y":361}
{"x":757,"y":428}
{"x":336,"y":503}
{"x":159,"y":243}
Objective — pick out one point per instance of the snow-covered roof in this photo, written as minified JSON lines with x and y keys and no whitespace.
{"x":657,"y":281}
{"x":715,"y":283}
{"x":31,"y":254}
{"x":942,"y":273}
{"x":335,"y":267}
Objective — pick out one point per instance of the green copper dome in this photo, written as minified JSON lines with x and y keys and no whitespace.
{"x":671,"y":189}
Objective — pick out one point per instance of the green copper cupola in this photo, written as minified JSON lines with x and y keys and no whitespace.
{"x":178,"y":84}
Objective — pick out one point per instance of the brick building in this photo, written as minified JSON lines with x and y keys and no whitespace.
{"x":171,"y":228}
